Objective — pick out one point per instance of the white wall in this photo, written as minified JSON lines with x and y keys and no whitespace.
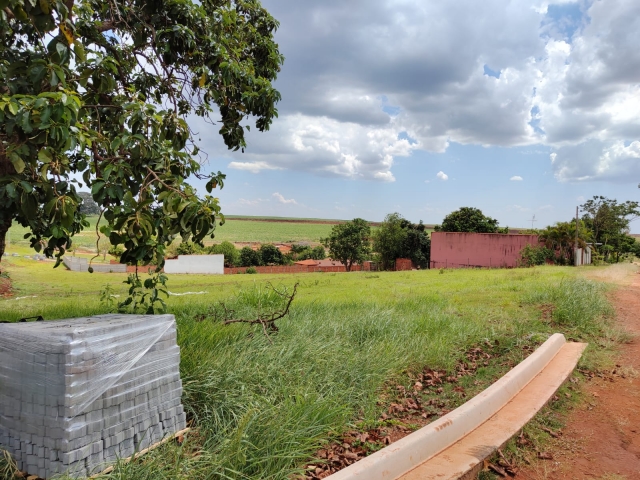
{"x":206,"y":264}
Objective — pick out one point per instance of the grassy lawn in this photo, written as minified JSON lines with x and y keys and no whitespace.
{"x":262,"y":409}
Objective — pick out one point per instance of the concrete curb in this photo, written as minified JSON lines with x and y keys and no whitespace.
{"x":412,"y":450}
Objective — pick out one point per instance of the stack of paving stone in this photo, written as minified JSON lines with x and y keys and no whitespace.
{"x":77,"y":394}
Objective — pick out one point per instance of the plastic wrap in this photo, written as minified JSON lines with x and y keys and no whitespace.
{"x":77,"y":394}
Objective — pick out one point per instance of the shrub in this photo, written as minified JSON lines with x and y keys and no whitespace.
{"x":230,"y":252}
{"x":535,"y":255}
{"x":318,"y":253}
{"x":251,"y":270}
{"x":189,"y":248}
{"x":116,"y":251}
{"x":249,"y":257}
{"x":270,"y":255}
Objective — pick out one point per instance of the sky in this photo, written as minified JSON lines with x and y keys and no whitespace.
{"x":521,"y":108}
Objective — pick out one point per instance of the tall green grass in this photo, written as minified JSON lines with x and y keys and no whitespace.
{"x":262,"y":409}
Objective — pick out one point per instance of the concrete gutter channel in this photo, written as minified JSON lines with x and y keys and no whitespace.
{"x":455,"y":445}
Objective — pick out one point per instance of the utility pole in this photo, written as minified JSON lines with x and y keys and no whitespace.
{"x":575,"y":246}
{"x":533,"y":219}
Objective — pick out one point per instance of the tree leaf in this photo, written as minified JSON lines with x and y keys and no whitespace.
{"x":78,"y":48}
{"x":17,"y":162}
{"x":67,"y":34}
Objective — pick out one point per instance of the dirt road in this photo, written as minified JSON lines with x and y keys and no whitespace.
{"x":602,"y":437}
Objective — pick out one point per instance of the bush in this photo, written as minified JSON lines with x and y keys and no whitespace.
{"x":116,"y":251}
{"x":230,"y":252}
{"x":251,"y":270}
{"x":270,"y":255}
{"x":189,"y":248}
{"x":535,"y":255}
{"x":318,"y":253}
{"x":249,"y":257}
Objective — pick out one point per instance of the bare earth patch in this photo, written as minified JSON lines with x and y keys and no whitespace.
{"x":5,"y":287}
{"x":601,"y":439}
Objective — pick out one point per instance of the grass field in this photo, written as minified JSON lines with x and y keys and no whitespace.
{"x":261,"y":410}
{"x":233,"y":231}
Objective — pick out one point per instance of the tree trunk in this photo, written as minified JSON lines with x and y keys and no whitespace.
{"x":4,"y":228}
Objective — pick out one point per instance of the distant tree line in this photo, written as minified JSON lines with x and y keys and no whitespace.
{"x":266,"y":255}
{"x":354,"y":242}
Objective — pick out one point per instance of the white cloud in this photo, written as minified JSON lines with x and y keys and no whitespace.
{"x":253,"y":167}
{"x":281,"y":199}
{"x":516,"y":178}
{"x":442,"y":176}
{"x":354,"y":83}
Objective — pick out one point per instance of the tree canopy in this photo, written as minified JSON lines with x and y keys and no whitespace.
{"x":397,"y":238}
{"x":96,"y":94}
{"x":349,"y":242}
{"x":608,"y":222}
{"x":469,"y":219}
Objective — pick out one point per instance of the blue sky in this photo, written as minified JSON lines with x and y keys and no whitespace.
{"x":519,"y":108}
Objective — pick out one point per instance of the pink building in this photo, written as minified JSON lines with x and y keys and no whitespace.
{"x":491,"y":250}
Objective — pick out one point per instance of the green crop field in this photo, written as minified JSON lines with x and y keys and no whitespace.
{"x":262,"y":408}
{"x":233,"y":231}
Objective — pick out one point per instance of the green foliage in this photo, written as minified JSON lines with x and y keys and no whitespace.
{"x":78,"y":110}
{"x":230,"y":252}
{"x":349,"y":242}
{"x":561,"y":239}
{"x":88,"y":206}
{"x":469,"y":219}
{"x":107,"y":298}
{"x":249,"y":257}
{"x":608,"y":221}
{"x":270,"y":255}
{"x":318,"y":253}
{"x":189,"y":248}
{"x":145,"y":297}
{"x":251,"y":271}
{"x":116,"y":251}
{"x":532,"y":255}
{"x":397,"y":238}
{"x":305,"y":252}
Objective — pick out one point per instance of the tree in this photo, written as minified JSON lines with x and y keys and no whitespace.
{"x":230,"y":252}
{"x":609,"y":222}
{"x":469,"y":219}
{"x":318,"y":253}
{"x":249,"y":257}
{"x":397,"y":238}
{"x":270,"y":255}
{"x":417,"y":245}
{"x":100,"y":91}
{"x":349,"y":242}
{"x":88,"y":205}
{"x":389,"y":240}
{"x":561,"y":239}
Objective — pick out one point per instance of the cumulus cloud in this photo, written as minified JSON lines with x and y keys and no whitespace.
{"x":253,"y":167}
{"x":442,"y":176}
{"x":369,"y":81}
{"x":281,"y":199}
{"x":516,"y":178}
{"x":616,"y":161}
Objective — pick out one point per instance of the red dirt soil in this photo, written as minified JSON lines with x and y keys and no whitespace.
{"x":601,"y":439}
{"x":5,"y":287}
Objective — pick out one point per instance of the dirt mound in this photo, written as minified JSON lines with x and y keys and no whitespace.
{"x":5,"y":287}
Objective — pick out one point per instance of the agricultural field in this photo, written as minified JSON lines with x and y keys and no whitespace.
{"x":236,"y":230}
{"x":262,"y":408}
